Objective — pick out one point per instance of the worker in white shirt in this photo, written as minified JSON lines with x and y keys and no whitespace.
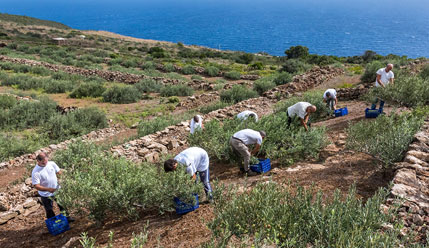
{"x":303,"y":111}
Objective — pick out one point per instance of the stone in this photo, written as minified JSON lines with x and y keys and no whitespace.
{"x":31,"y":210}
{"x":152,"y":157}
{"x":173,"y":144}
{"x":142,"y":152}
{"x":420,"y":155}
{"x":158,"y":147}
{"x":413,"y":160}
{"x":418,"y":220}
{"x":30,"y":202}
{"x":407,"y":177}
{"x":25,"y":188}
{"x":4,"y":204}
{"x":19,"y":209}
{"x":5,"y":217}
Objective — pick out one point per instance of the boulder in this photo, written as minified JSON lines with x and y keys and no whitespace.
{"x":30,"y":202}
{"x":152,"y":157}
{"x":173,"y":144}
{"x":4,"y":204}
{"x":143,"y":151}
{"x":5,"y":217}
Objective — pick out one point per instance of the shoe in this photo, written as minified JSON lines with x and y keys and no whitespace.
{"x":70,"y":219}
{"x":250,"y":173}
{"x":242,"y":170}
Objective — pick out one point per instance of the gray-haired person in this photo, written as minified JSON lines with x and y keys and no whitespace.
{"x":385,"y":76}
{"x":240,"y":142}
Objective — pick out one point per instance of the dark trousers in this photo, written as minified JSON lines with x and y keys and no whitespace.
{"x":49,"y":206}
{"x":205,"y":179}
{"x":374,"y":104}
{"x":289,"y":121}
{"x":330,"y":103}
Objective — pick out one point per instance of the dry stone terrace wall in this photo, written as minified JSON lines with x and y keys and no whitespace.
{"x":111,"y":75}
{"x":351,"y":93}
{"x":93,"y":136}
{"x":173,"y":138}
{"x":411,"y":183}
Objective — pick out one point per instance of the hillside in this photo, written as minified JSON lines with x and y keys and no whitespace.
{"x":130,"y":101}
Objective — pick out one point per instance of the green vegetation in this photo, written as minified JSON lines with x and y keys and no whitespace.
{"x":409,"y":91}
{"x":148,"y":86}
{"x":214,"y":106}
{"x":370,"y":71}
{"x":387,"y":137}
{"x":233,"y":75}
{"x":25,"y":20}
{"x":264,"y":84}
{"x":121,"y":94}
{"x":285,"y":144}
{"x":270,"y":213}
{"x":126,"y":188}
{"x":156,"y":124}
{"x":91,"y":89}
{"x":176,"y":90}
{"x":237,"y":94}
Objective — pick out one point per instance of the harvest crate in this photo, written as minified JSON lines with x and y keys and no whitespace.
{"x":183,"y":208}
{"x":372,"y":113}
{"x":341,"y":112}
{"x":57,"y":224}
{"x":263,"y":166}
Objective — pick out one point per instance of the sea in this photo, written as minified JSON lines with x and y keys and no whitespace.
{"x":326,"y":27}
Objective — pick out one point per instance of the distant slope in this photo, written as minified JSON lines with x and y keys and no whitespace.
{"x":25,"y":20}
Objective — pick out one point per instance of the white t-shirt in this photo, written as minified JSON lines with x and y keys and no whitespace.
{"x":46,"y":176}
{"x":333,"y":93}
{"x":245,"y":114}
{"x":385,"y":77}
{"x":299,"y":109}
{"x":195,"y":125}
{"x":195,"y":159}
{"x":249,"y":136}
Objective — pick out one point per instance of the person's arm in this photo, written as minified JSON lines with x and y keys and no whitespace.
{"x":391,"y":80}
{"x":336,"y":101}
{"x":43,"y":188}
{"x":194,"y":177}
{"x":256,"y":149}
{"x":324,"y":99}
{"x":379,"y":80}
{"x":304,"y":121}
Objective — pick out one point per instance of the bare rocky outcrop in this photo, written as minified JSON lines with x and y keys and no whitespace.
{"x":411,"y":185}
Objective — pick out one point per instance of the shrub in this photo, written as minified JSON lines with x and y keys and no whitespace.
{"x":370,"y":72}
{"x":283,"y":143}
{"x":257,"y":66}
{"x":121,"y":94}
{"x":295,"y":52}
{"x":12,"y":145}
{"x":409,"y":91}
{"x":386,"y":138}
{"x":148,"y":85}
{"x":196,"y":77}
{"x":75,"y":123}
{"x":169,"y":67}
{"x":294,"y":66}
{"x":126,"y":188}
{"x":270,"y":213}
{"x":212,"y":71}
{"x":245,"y":58}
{"x":57,"y":86}
{"x":156,"y":124}
{"x":173,"y":99}
{"x":214,"y":106}
{"x":7,"y":101}
{"x":90,"y":89}
{"x":313,"y":97}
{"x":188,"y":69}
{"x":283,"y":78}
{"x":264,"y":84}
{"x":233,"y":75}
{"x":176,"y":90}
{"x":237,"y":94}
{"x":425,"y":72}
{"x":157,"y":52}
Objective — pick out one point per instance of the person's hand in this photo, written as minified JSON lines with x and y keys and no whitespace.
{"x":52,"y":190}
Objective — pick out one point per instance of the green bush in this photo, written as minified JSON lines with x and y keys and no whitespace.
{"x":313,"y":97}
{"x":270,"y":213}
{"x":294,"y":66}
{"x":12,"y":145}
{"x":75,"y":123}
{"x":90,"y":89}
{"x":233,"y":75}
{"x":173,"y":99}
{"x":264,"y":84}
{"x":125,"y":190}
{"x":176,"y":90}
{"x":237,"y":94}
{"x":257,"y":66}
{"x":7,"y":101}
{"x":169,"y":67}
{"x":409,"y":91}
{"x":283,"y":143}
{"x":425,"y":72}
{"x":296,"y":52}
{"x":245,"y":58}
{"x":214,"y":106}
{"x":212,"y":71}
{"x":188,"y":69}
{"x":196,"y":77}
{"x":370,"y":72}
{"x":386,"y":138}
{"x":121,"y":94}
{"x":283,"y":78}
{"x":148,"y":85}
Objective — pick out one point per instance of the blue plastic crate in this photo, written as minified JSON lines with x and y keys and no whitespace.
{"x":183,"y":208}
{"x":341,"y":112}
{"x":372,"y":113}
{"x":263,"y":166}
{"x":57,"y":224}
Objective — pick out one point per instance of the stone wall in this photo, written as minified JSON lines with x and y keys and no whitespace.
{"x":411,"y":184}
{"x":345,"y":94}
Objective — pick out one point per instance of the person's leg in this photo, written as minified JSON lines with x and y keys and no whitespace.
{"x":205,"y":179}
{"x":331,"y":104}
{"x":374,"y":103}
{"x":48,"y":205}
{"x":381,"y":104}
{"x":289,"y":120}
{"x":245,"y":154}
{"x":233,"y":144}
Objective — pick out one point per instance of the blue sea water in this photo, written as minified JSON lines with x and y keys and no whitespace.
{"x":331,"y":27}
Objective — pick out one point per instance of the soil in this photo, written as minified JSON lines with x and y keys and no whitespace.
{"x":336,"y":169}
